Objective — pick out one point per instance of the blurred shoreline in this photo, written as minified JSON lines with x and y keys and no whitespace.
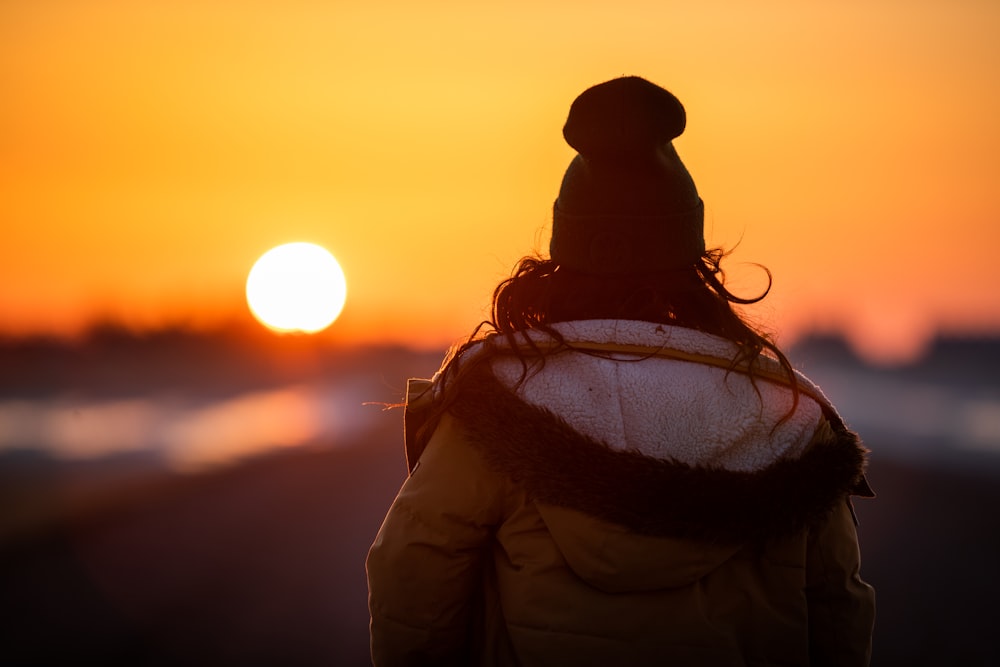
{"x":182,"y":396}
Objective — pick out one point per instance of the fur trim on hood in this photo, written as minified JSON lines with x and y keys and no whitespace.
{"x":662,"y":446}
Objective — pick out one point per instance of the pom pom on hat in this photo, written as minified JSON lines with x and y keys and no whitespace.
{"x":623,"y":116}
{"x":627,"y":204}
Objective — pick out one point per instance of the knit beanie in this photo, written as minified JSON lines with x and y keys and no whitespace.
{"x":627,"y":204}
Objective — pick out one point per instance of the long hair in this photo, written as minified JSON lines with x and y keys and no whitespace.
{"x":540,"y":293}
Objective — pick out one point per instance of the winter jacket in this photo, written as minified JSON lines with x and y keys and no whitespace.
{"x":626,"y":508}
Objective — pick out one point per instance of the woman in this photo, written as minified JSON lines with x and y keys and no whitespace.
{"x":622,"y":471}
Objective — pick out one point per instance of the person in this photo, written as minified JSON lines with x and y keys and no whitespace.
{"x":621,"y":470}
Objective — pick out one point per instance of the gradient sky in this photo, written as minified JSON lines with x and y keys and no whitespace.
{"x":151,"y":151}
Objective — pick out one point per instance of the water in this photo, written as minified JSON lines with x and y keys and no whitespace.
{"x":898,"y":417}
{"x":189,"y":434}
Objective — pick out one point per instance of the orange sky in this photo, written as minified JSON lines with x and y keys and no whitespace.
{"x":150,"y":152}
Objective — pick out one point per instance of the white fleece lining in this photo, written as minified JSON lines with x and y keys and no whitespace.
{"x":665,"y":408}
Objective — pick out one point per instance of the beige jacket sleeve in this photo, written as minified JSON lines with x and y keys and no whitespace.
{"x":841,"y":605}
{"x":425,"y":566}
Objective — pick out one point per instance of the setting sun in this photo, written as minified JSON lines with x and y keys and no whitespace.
{"x":296,"y":287}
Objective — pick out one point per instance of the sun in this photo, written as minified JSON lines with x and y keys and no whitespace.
{"x":296,"y":288}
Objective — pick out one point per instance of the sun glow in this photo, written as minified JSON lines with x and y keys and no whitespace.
{"x":296,"y":287}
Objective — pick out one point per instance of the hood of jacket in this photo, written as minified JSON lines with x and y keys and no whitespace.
{"x":666,"y":407}
{"x":651,"y":470}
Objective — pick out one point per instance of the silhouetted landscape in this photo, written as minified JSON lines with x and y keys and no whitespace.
{"x":143,"y":548}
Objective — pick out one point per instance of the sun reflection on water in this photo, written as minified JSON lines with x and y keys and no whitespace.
{"x":187,"y":436}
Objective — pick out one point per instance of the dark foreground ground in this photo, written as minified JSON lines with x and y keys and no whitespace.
{"x":259,"y":565}
{"x":262,"y":564}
